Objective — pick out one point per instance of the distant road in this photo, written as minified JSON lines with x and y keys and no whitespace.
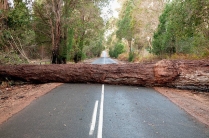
{"x":104,"y":59}
{"x":98,"y":110}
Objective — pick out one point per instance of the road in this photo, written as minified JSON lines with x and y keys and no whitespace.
{"x":104,"y":59}
{"x":97,"y":110}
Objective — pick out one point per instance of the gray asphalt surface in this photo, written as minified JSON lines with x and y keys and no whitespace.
{"x":104,"y":60}
{"x":128,"y":112}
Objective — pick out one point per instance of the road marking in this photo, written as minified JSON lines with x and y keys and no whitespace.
{"x":100,"y":125}
{"x":94,"y":117}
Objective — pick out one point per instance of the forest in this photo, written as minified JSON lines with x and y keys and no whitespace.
{"x":73,"y":30}
{"x":59,"y":30}
{"x":158,"y":29}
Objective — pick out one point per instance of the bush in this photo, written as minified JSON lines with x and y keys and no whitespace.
{"x":131,"y":56}
{"x":123,"y":57}
{"x":11,"y":58}
{"x":117,"y":50}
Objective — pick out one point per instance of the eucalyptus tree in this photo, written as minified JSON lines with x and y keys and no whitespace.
{"x":126,"y":23}
{"x":183,"y":28}
{"x":146,"y":14}
{"x":87,"y":25}
{"x":16,"y":34}
{"x":58,"y":16}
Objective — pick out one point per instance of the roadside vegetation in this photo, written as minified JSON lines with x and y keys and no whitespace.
{"x":59,"y":30}
{"x":152,"y":30}
{"x":116,"y":50}
{"x":62,"y":31}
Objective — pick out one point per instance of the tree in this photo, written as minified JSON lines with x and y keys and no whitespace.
{"x":88,"y":31}
{"x":62,"y":16}
{"x":94,"y":48}
{"x":144,"y":28}
{"x":158,"y":38}
{"x":117,"y":50}
{"x":170,"y":73}
{"x":126,"y":23}
{"x":16,"y":34}
{"x":183,"y":29}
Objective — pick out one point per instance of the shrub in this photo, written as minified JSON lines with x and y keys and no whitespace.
{"x":131,"y":56}
{"x":117,"y":50}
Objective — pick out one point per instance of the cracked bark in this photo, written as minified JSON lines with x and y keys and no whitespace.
{"x":182,"y":74}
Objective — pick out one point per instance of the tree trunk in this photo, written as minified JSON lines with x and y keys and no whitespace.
{"x":181,"y":74}
{"x":129,"y":45}
{"x":56,"y":30}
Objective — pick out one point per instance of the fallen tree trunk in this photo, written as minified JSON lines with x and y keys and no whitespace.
{"x":189,"y":74}
{"x":182,"y":74}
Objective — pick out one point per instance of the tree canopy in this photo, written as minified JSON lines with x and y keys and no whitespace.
{"x":71,"y":30}
{"x":126,"y":23}
{"x":56,"y":29}
{"x":183,"y":28}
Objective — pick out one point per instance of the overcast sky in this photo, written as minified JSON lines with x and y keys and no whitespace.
{"x":110,"y":11}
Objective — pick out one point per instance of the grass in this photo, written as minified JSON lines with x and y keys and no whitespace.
{"x":151,"y":58}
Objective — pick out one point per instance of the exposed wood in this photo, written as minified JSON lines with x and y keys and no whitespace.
{"x":183,"y":74}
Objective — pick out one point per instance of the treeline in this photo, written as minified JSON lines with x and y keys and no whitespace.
{"x":183,"y":29}
{"x":161,"y":29}
{"x":135,"y":26}
{"x":60,"y":30}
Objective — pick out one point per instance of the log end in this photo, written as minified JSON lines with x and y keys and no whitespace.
{"x":165,"y":71}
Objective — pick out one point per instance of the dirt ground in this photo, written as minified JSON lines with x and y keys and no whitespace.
{"x":194,"y":103}
{"x":14,"y":99}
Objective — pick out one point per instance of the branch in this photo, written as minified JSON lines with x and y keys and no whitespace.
{"x":20,"y":50}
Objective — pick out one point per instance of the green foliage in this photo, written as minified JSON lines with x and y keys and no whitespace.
{"x":182,"y":29}
{"x":16,"y":34}
{"x":11,"y":58}
{"x":18,"y":17}
{"x":18,"y":23}
{"x":95,"y":47}
{"x":126,"y":23}
{"x":80,"y":24}
{"x":69,"y":42}
{"x":117,"y":50}
{"x":68,"y":28}
{"x":131,"y":56}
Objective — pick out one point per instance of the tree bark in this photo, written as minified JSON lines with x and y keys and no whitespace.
{"x":129,"y":45}
{"x":181,"y":74}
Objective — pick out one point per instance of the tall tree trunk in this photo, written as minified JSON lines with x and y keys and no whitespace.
{"x":57,"y":30}
{"x":129,"y":45}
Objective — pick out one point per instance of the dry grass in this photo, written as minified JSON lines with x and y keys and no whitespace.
{"x":123,"y":57}
{"x":145,"y":56}
{"x":186,"y":57}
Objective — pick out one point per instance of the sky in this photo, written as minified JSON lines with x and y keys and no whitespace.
{"x":111,"y":10}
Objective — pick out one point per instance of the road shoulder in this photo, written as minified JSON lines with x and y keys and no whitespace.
{"x":14,"y":99}
{"x":194,"y":103}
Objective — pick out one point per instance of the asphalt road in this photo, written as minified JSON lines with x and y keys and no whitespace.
{"x":97,"y":110}
{"x":104,"y":60}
